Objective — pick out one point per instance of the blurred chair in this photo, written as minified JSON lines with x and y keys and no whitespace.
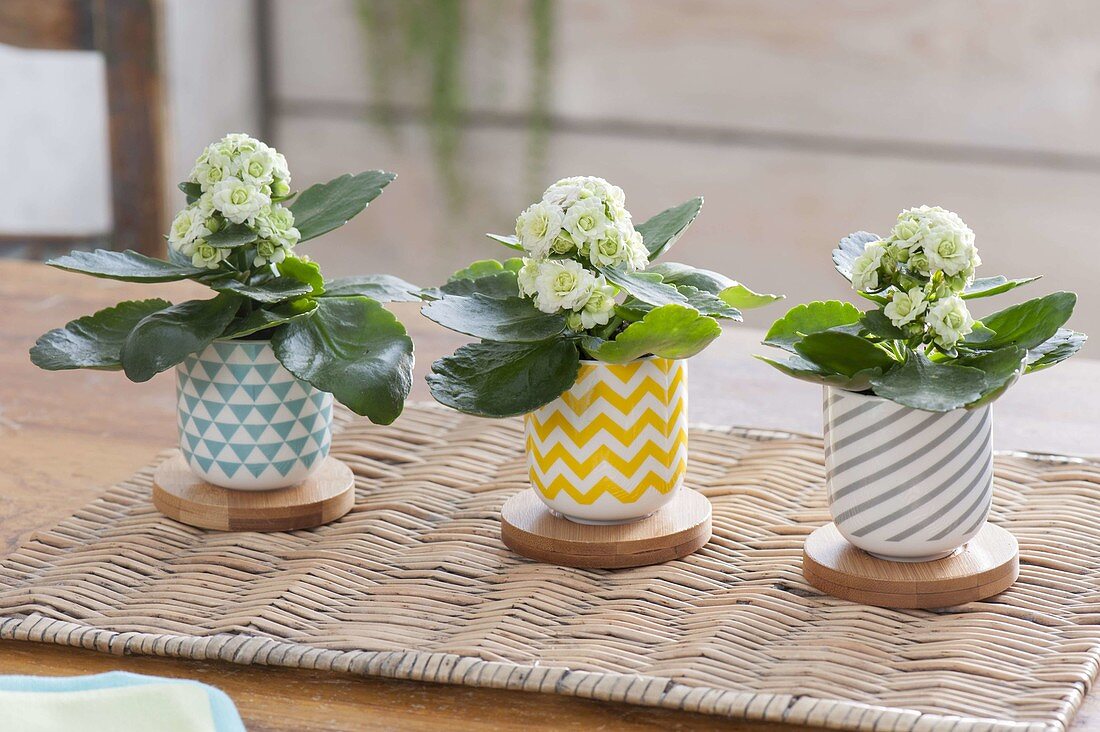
{"x":125,"y":33}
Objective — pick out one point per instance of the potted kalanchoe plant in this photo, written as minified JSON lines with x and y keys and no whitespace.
{"x":259,"y":362}
{"x":909,"y":383}
{"x":587,"y":338}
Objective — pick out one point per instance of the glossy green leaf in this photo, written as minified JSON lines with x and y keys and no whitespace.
{"x":303,"y":271}
{"x":800,"y":368}
{"x":646,"y":286}
{"x":94,"y":341}
{"x":380,"y":287}
{"x":509,"y":241}
{"x":232,"y":236}
{"x":327,"y":206}
{"x":1027,"y":324}
{"x":1001,"y":368}
{"x":128,"y":266}
{"x":812,"y":317}
{"x":512,"y":319}
{"x":1055,"y":349}
{"x":849,"y":249}
{"x":986,"y":286}
{"x":877,"y":324}
{"x":485,"y":268}
{"x":704,"y":302}
{"x":355,"y":349}
{"x":743,"y":298}
{"x":842,"y":353}
{"x":934,"y":387}
{"x":502,"y":284}
{"x":269,"y":316}
{"x":164,"y":338}
{"x":676,"y":273}
{"x":193,"y":191}
{"x":670,"y":331}
{"x":661,"y":232}
{"x":276,"y":289}
{"x":504,"y":379}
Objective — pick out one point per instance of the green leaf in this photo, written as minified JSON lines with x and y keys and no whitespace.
{"x":354,"y":348}
{"x":1027,"y":324}
{"x":164,"y":338}
{"x":94,"y":341}
{"x":128,"y":266}
{"x":646,"y":286}
{"x":842,"y":353}
{"x":511,"y":320}
{"x":812,"y":317}
{"x":704,"y":302}
{"x":933,"y":387}
{"x":670,"y":331}
{"x":800,"y":368}
{"x":509,"y":241}
{"x":380,"y":287}
{"x":501,"y":284}
{"x":269,"y":316}
{"x":1001,"y":368}
{"x":1055,"y":349}
{"x":661,"y":232}
{"x":232,"y":236}
{"x":986,"y":286}
{"x":849,"y":249}
{"x":327,"y":206}
{"x":303,"y":271}
{"x":193,"y":191}
{"x":485,"y":268}
{"x":277,"y":289}
{"x":743,"y":298}
{"x":504,"y":379}
{"x":675,"y":273}
{"x":877,"y":324}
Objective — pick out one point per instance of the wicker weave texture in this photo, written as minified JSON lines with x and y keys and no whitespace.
{"x":414,"y":583}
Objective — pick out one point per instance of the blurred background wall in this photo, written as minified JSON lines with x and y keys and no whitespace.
{"x":798,"y":120}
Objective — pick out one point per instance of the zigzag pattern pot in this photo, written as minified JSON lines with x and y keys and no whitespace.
{"x":245,"y":422}
{"x":904,"y":484}
{"x":612,"y":449}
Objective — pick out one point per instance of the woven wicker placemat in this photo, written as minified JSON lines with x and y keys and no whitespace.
{"x":415,"y":584}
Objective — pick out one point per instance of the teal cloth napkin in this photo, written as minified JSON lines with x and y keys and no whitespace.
{"x":114,"y":701}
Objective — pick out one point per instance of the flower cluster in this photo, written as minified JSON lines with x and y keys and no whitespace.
{"x":240,"y":181}
{"x":922,"y":268}
{"x":580,"y":224}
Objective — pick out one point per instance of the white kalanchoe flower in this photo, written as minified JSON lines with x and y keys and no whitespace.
{"x":639,"y":255}
{"x":600,"y":306}
{"x":180,"y":232}
{"x":257,"y":167}
{"x":277,"y":224}
{"x":950,"y":321}
{"x":527,"y":277}
{"x":951,"y":250}
{"x":562,"y":284}
{"x":239,"y":201}
{"x":614,"y":248}
{"x":905,"y":307}
{"x":268,"y":252}
{"x":586,"y":221}
{"x":538,"y":227}
{"x":563,"y":193}
{"x":210,"y":169}
{"x":207,"y":256}
{"x":865,"y":270}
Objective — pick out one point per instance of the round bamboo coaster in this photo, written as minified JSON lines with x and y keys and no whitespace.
{"x":323,"y":497}
{"x":679,"y":528}
{"x":985,"y":566}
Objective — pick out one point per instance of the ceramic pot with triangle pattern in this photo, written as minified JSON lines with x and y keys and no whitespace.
{"x":904,"y":484}
{"x":612,"y":449}
{"x":247,"y":423}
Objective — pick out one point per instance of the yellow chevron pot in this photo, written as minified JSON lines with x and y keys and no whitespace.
{"x":612,"y":449}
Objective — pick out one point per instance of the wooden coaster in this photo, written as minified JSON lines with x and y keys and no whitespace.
{"x":679,"y":528}
{"x":987,"y":565}
{"x":325,"y":496}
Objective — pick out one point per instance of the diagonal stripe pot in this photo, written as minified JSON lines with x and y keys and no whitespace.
{"x":904,"y":484}
{"x":612,"y":449}
{"x":247,"y":423}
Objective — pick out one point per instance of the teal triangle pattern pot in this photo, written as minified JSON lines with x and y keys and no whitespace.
{"x":247,"y":423}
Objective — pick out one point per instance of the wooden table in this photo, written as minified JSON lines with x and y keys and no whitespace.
{"x":66,"y":436}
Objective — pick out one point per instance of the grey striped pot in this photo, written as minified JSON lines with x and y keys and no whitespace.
{"x":904,"y":484}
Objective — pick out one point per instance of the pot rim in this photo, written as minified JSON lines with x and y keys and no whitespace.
{"x":642,"y":359}
{"x":875,"y":397}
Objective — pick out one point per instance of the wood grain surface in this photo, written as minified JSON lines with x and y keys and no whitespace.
{"x":987,"y":564}
{"x":66,"y":436}
{"x":323,"y":497}
{"x":679,"y":528}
